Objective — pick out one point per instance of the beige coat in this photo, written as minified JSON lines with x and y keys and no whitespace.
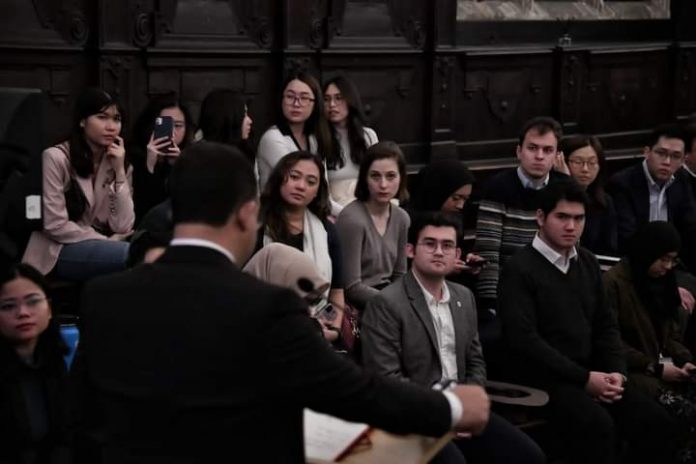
{"x":108,"y":208}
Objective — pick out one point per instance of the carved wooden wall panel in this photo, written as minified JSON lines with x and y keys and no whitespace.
{"x":378,"y":24}
{"x":685,"y":81}
{"x":393,"y":95}
{"x":439,"y":85}
{"x":626,"y":90}
{"x":496,"y":94}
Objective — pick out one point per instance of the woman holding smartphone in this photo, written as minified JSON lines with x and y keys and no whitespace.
{"x":372,"y":229}
{"x":87,"y":204}
{"x":294,"y":211}
{"x":154,"y":151}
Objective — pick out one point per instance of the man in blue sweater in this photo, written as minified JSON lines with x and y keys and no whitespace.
{"x":566,"y":341}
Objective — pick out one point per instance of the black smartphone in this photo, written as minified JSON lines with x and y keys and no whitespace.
{"x":164,"y":127}
{"x":481,"y":263}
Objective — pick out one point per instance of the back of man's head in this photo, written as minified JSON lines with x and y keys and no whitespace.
{"x":542,"y":125}
{"x":566,"y":189}
{"x":421,"y":220}
{"x":209,"y":182}
{"x":668,"y":131}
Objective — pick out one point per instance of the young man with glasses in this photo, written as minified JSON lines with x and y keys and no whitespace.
{"x":657,"y":190}
{"x":422,"y":329}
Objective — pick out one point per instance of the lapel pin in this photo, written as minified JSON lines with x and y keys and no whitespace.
{"x":459,"y":304}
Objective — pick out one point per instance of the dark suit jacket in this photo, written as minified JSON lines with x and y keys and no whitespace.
{"x":399,"y":339}
{"x":190,"y":360}
{"x":629,"y":188}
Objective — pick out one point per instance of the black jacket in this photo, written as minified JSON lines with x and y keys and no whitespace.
{"x":190,"y":360}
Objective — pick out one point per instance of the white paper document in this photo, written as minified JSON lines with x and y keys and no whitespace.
{"x":327,"y":437}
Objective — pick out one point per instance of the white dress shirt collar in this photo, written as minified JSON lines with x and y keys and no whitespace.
{"x":199,"y":242}
{"x":528,"y":182}
{"x":429,"y":297}
{"x":561,"y":262}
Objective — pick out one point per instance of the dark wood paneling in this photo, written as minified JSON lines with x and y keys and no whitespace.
{"x":438,"y":86}
{"x":497,"y":94}
{"x":626,"y":90}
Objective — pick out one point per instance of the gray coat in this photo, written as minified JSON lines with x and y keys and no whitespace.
{"x":399,"y":340}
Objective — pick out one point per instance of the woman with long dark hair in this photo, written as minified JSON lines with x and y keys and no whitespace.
{"x":33,"y":384}
{"x":225,"y":119}
{"x":586,"y":163}
{"x":87,"y":203}
{"x":153,"y":158}
{"x":301,"y":125}
{"x":294,"y":211}
{"x":351,"y":137}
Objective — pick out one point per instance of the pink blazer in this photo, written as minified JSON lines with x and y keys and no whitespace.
{"x":108,"y":208}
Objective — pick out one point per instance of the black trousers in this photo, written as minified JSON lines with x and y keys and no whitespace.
{"x":500,"y":443}
{"x":592,"y":429}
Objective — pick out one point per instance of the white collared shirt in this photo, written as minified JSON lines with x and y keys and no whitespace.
{"x":444,"y":330}
{"x":528,"y":182}
{"x":691,"y":173}
{"x":199,"y":242}
{"x":561,"y":262}
{"x":658,"y":196}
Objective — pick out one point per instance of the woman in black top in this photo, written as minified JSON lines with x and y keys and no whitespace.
{"x":33,"y":412}
{"x":153,"y":158}
{"x":295,"y":210}
{"x":586,"y":163}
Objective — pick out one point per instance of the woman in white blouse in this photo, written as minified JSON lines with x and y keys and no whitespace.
{"x":301,"y":127}
{"x":351,"y":138}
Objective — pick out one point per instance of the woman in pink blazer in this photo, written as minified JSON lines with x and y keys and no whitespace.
{"x":87,"y":203}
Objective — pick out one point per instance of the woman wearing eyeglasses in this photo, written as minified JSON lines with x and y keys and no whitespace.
{"x":585,"y":159}
{"x":372,"y":229}
{"x":301,"y":126}
{"x":351,"y":138}
{"x":33,"y":384}
{"x":642,"y":291}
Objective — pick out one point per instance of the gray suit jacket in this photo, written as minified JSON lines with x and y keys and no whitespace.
{"x":399,"y":340}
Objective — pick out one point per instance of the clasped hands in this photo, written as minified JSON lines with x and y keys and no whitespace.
{"x":605,"y":387}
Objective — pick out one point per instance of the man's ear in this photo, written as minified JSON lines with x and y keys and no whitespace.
{"x":247,"y":216}
{"x":82,"y":124}
{"x":518,"y":151}
{"x":646,"y":151}
{"x":540,"y":217}
{"x":410,"y":251}
{"x":458,"y":253}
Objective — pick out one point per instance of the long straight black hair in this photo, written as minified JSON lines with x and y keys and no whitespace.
{"x":355,"y":124}
{"x":90,"y":102}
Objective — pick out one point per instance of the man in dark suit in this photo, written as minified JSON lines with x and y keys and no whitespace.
{"x":657,"y":190}
{"x":690,"y":156}
{"x":188,"y":360}
{"x":423,"y":329}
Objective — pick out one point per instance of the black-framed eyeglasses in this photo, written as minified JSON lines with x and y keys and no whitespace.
{"x":665,"y":155}
{"x":302,"y":99}
{"x":430,"y":245}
